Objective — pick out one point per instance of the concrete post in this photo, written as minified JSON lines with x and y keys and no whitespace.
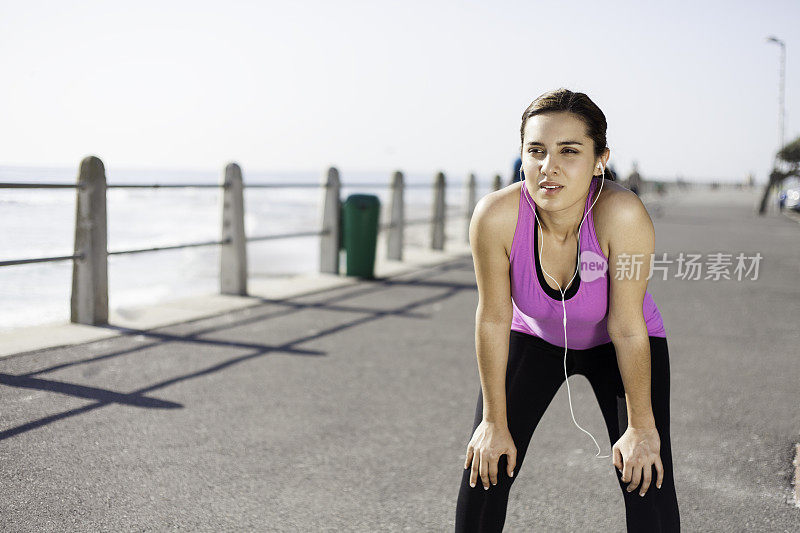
{"x":89,"y":300}
{"x":498,"y":183}
{"x":437,"y":228}
{"x":331,"y":220}
{"x":470,"y":203}
{"x":397,"y":219}
{"x":233,"y":255}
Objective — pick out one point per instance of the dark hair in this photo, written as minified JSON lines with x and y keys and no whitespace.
{"x":562,"y":99}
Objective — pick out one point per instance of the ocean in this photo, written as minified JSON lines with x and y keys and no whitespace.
{"x":41,"y":223}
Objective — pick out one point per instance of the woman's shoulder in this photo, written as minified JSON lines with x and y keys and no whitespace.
{"x":616,"y":207}
{"x":613,"y":194}
{"x":497,"y":212}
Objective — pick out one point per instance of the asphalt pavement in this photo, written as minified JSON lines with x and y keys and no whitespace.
{"x":350,"y":409}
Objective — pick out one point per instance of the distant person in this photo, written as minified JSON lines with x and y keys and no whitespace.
{"x":542,"y":250}
{"x":635,"y":180}
{"x":612,"y":170}
{"x":515,"y":173}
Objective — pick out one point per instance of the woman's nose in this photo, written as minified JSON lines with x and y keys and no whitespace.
{"x":547,"y":165}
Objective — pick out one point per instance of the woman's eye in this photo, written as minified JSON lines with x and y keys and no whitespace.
{"x":566,"y":150}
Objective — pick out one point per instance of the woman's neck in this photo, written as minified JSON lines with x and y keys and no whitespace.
{"x":560,"y":226}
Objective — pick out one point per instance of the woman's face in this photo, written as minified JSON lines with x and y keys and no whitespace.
{"x":556,"y":149}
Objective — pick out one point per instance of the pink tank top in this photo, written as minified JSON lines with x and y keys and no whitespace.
{"x":537,"y":307}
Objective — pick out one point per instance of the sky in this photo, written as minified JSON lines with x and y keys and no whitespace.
{"x":688,"y":88}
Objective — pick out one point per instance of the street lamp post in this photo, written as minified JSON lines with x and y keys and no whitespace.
{"x":772,"y":185}
{"x":781,"y":88}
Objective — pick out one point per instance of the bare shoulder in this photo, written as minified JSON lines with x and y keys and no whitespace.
{"x":491,"y":231}
{"x":617,"y":208}
{"x":495,"y":216}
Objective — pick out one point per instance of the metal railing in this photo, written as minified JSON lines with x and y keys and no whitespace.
{"x":89,"y":296}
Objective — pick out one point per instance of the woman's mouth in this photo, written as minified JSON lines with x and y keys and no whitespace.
{"x":550,"y":189}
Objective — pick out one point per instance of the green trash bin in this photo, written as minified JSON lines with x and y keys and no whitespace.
{"x":360,"y":216}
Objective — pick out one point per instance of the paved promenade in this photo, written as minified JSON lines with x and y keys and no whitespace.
{"x":350,"y":409}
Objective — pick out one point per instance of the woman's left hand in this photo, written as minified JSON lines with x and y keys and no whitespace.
{"x":636,"y":450}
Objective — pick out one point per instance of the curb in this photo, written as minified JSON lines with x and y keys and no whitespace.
{"x":126,"y":321}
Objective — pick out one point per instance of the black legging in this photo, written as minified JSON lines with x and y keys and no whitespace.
{"x":535,"y":372}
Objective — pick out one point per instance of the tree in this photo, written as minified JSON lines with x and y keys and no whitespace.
{"x":790,"y":155}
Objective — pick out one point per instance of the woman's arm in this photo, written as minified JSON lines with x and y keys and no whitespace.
{"x":491,"y":438}
{"x":631,"y":245}
{"x":493,"y":315}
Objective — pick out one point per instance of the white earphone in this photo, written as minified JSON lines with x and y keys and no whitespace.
{"x":562,"y":291}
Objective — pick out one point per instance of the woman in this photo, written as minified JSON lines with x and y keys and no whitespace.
{"x":524,"y":240}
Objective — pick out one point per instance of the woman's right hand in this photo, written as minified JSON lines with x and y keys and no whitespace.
{"x":488,"y":443}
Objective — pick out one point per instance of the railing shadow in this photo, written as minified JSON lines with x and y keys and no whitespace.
{"x":138,"y":398}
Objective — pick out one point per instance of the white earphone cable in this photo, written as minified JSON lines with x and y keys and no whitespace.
{"x":562,"y":291}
